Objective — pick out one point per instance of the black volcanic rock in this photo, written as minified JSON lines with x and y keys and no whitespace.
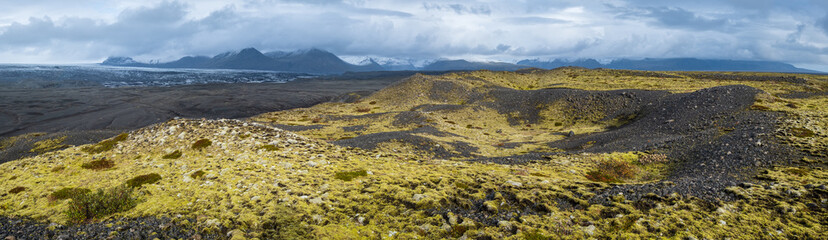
{"x":448,"y":65}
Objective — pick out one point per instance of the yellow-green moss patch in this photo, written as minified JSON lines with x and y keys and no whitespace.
{"x":350,"y":175}
{"x":105,"y":145}
{"x":143,"y":179}
{"x":201,"y":143}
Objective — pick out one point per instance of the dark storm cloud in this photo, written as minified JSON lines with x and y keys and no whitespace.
{"x":671,"y":17}
{"x":823,"y":23}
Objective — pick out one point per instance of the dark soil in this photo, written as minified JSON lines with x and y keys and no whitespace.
{"x":139,"y":228}
{"x":711,"y":137}
{"x":371,"y":141}
{"x":91,"y":114}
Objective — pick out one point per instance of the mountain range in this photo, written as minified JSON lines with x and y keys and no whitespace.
{"x":319,"y":61}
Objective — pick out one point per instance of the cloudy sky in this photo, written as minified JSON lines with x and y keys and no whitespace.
{"x":84,"y":31}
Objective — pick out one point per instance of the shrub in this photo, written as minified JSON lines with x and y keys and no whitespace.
{"x":99,"y":164}
{"x":269,"y":147}
{"x":105,"y":145}
{"x":802,"y":132}
{"x":17,"y":190}
{"x":362,"y":110}
{"x":172,"y":155}
{"x":612,"y":171}
{"x":197,"y":174}
{"x":66,"y":193}
{"x":143,"y":179}
{"x":348,"y":176}
{"x":91,"y":205}
{"x":202,"y":143}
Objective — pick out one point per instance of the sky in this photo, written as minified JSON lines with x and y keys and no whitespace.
{"x":85,"y":31}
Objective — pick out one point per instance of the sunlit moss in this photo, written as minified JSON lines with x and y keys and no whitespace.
{"x":48,"y":145}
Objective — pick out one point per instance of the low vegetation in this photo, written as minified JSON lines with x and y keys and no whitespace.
{"x":49,"y":145}
{"x":105,"y":145}
{"x":497,"y":179}
{"x":66,"y":193}
{"x":86,"y":206}
{"x":173,"y":155}
{"x":143,"y":179}
{"x":201,"y":144}
{"x":98,"y":164}
{"x":350,"y":175}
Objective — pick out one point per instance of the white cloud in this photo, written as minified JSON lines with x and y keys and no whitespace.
{"x":88,"y":31}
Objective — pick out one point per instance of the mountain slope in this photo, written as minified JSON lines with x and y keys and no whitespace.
{"x":307,"y":61}
{"x":449,"y":65}
{"x":674,"y":64}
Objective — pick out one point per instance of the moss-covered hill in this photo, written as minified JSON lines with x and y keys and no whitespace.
{"x":567,"y":153}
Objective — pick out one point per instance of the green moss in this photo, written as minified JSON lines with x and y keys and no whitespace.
{"x":49,"y":145}
{"x":760,"y":107}
{"x":197,"y":174}
{"x":143,"y":179}
{"x":285,"y":223}
{"x":58,"y":168}
{"x":797,"y":171}
{"x":535,"y":235}
{"x":173,"y":155}
{"x":348,"y":176}
{"x":17,"y":190}
{"x":66,"y":193}
{"x":201,"y":144}
{"x":269,"y":147}
{"x":98,"y":164}
{"x":92,"y":205}
{"x":105,"y":145}
{"x":802,"y":132}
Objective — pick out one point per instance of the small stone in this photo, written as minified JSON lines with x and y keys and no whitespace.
{"x":513,"y":183}
{"x":418,"y":197}
{"x":311,"y":164}
{"x":316,"y":200}
{"x":570,"y":134}
{"x":255,"y":198}
{"x":361,"y":220}
{"x":505,"y":225}
{"x":317,"y":218}
{"x":10,"y":238}
{"x":452,"y":219}
{"x":590,"y":230}
{"x":722,"y":222}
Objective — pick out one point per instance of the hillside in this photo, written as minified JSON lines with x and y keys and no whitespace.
{"x":673,"y":64}
{"x":569,"y":153}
